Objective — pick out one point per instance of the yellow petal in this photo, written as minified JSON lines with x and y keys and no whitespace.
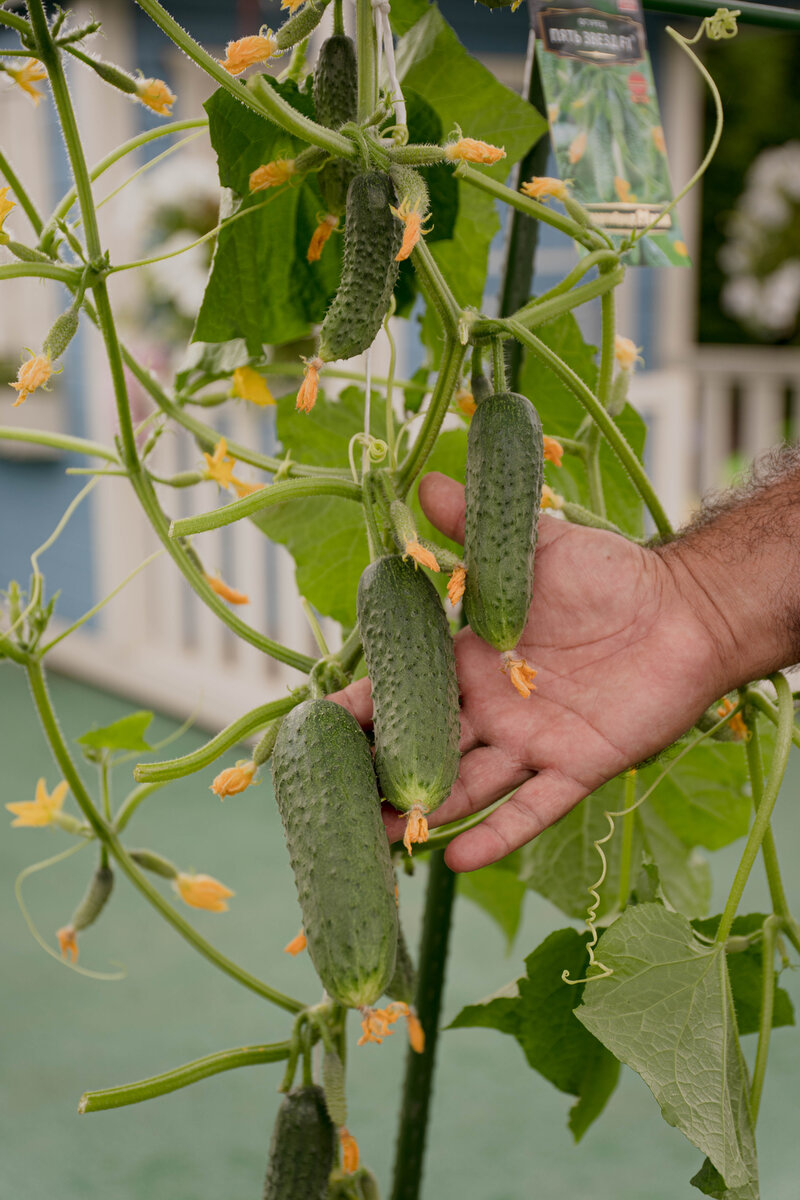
{"x":202,"y":891}
{"x":233,"y":780}
{"x":156,"y":95}
{"x":420,"y":554}
{"x":541,"y":187}
{"x":224,"y":590}
{"x":246,"y":51}
{"x":67,"y":942}
{"x":472,"y":150}
{"x":456,"y":584}
{"x":297,"y":945}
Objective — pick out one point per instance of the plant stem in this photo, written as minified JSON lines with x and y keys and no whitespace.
{"x":41,"y":270}
{"x":418,"y":1082}
{"x":768,"y":852}
{"x":436,"y":287}
{"x":15,"y":183}
{"x":532,"y":207}
{"x":626,"y":848}
{"x":771,"y":926}
{"x":552,"y":305}
{"x":108,"y":838}
{"x":338,"y":18}
{"x":231,"y":735}
{"x":68,"y":199}
{"x":783,"y":743}
{"x":132,"y":802}
{"x":14,"y":22}
{"x":452,"y":358}
{"x":59,"y":441}
{"x":594,"y":475}
{"x":275,"y":493}
{"x":257,"y":95}
{"x":613,"y":433}
{"x":367,"y":56}
{"x":758,"y":700}
{"x":180,"y":1077}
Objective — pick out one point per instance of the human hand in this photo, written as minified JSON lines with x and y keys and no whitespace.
{"x":625,"y":663}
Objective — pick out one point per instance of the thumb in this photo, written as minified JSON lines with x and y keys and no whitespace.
{"x":442,"y":501}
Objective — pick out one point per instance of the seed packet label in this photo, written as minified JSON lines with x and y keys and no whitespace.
{"x":605,"y":123}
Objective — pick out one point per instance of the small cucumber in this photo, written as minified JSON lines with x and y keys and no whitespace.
{"x":411,"y":662}
{"x":505,"y":458}
{"x":303,"y":23}
{"x":336,"y":103}
{"x":372,"y":238}
{"x":303,"y":1148}
{"x":328,"y":800}
{"x":403,"y":983}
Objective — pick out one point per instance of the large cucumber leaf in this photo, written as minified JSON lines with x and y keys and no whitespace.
{"x":261,"y":287}
{"x":324,"y":535}
{"x":745,"y":971}
{"x":498,"y":891}
{"x":538,"y":1010}
{"x":667,"y":1012}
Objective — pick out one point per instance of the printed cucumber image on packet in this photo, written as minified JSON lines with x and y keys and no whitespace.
{"x":605,"y":122}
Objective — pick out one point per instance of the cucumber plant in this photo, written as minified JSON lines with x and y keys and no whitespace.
{"x":338,"y":138}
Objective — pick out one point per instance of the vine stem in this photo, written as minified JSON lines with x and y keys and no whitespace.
{"x":274,"y":493}
{"x":771,"y":927}
{"x":533,"y":208}
{"x":180,"y":1077}
{"x":19,"y":191}
{"x":783,"y":743}
{"x":545,"y":308}
{"x":626,"y":848}
{"x":59,"y":441}
{"x":594,"y":475}
{"x":257,"y":95}
{"x":367,"y":57}
{"x":449,"y":371}
{"x":780,"y":905}
{"x":109,"y":839}
{"x":231,"y":735}
{"x":616,"y":438}
{"x":42,"y":270}
{"x":417,"y":1085}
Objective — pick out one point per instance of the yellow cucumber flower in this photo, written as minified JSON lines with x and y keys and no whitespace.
{"x":519,"y":672}
{"x":292,"y":5}
{"x":319,"y":237}
{"x":67,"y":942}
{"x":32,"y":375}
{"x":249,"y":385}
{"x":271,"y":174}
{"x":155,"y":94}
{"x":297,"y":945}
{"x":350,"y":1154}
{"x":307,"y":393}
{"x":456,"y":584}
{"x":550,"y":499}
{"x":42,"y":809}
{"x":202,"y":891}
{"x":542,"y":187}
{"x":233,"y":780}
{"x":472,"y":150}
{"x":553,"y":451}
{"x":225,"y":590}
{"x":219,"y":466}
{"x":465,"y":401}
{"x":626,"y":352}
{"x":6,"y":206}
{"x":411,"y":216}
{"x":246,"y":51}
{"x":420,"y":554}
{"x":25,"y":76}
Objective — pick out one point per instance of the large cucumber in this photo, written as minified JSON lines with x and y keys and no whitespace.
{"x":328,"y":799}
{"x":505,"y":458}
{"x":411,"y":663}
{"x":372,"y":239}
{"x":336,"y":103}
{"x":303,"y":1148}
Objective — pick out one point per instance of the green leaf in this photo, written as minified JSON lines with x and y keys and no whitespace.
{"x":667,"y":1012}
{"x":562,"y":413}
{"x":538,"y":1012}
{"x":325,"y":535}
{"x":207,"y":361}
{"x":432,"y":62}
{"x":744,"y":970}
{"x":262,"y":288}
{"x":709,"y":1181}
{"x":125,"y":734}
{"x":704,"y":800}
{"x":684,"y":875}
{"x":406,"y":13}
{"x":498,"y":891}
{"x":562,"y":863}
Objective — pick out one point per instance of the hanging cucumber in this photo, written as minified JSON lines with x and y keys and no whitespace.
{"x":336,"y":103}
{"x":372,"y":239}
{"x":505,"y":458}
{"x":328,"y":800}
{"x":411,"y":663}
{"x":303,"y":1148}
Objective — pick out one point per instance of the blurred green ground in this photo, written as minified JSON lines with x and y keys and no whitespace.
{"x":498,"y":1131}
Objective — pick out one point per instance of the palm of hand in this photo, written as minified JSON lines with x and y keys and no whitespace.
{"x":623,"y":666}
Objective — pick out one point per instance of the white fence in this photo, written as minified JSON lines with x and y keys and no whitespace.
{"x":159,"y":643}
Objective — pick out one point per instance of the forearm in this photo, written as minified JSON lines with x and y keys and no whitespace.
{"x":738,"y":565}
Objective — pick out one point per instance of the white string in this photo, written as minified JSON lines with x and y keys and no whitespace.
{"x":367,"y":412}
{"x":383,"y":28}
